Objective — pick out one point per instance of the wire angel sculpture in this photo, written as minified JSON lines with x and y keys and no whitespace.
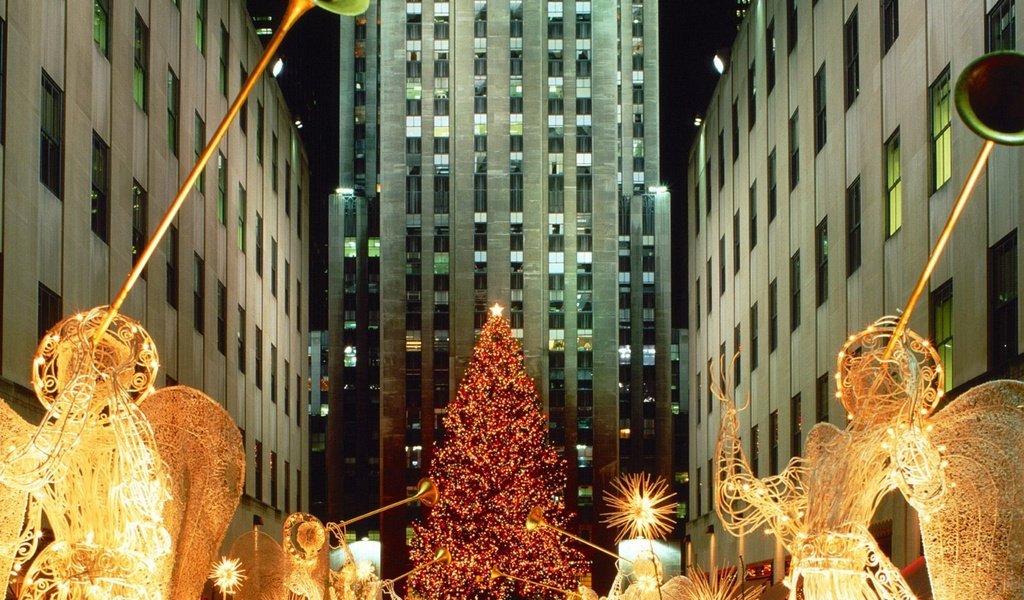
{"x":136,"y":495}
{"x":960,"y":468}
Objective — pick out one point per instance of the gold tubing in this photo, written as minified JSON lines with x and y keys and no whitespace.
{"x":296,"y":8}
{"x":496,"y":574}
{"x":940,"y":245}
{"x":427,"y":492}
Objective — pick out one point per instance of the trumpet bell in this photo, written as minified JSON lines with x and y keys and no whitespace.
{"x":989,"y":96}
{"x":344,"y":7}
{"x":426,"y":492}
{"x":496,"y":574}
{"x":443,"y":557}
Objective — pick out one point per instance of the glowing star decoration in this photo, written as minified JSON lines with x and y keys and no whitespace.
{"x":94,"y":468}
{"x":496,"y":310}
{"x":960,"y":468}
{"x":227,"y":575}
{"x":641,"y":507}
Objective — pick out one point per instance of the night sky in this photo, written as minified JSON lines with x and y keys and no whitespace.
{"x":691,"y":32}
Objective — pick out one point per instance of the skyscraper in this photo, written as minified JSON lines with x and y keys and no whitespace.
{"x":498,"y":151}
{"x":104,"y":108}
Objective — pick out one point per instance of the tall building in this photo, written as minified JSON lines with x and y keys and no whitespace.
{"x":98,"y":127}
{"x":826,"y":166}
{"x":498,"y":151}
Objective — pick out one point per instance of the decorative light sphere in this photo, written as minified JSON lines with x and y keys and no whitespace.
{"x":344,"y":7}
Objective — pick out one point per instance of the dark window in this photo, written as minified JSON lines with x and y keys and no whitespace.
{"x":821,"y":261}
{"x":140,"y":219}
{"x":286,"y":398}
{"x":273,"y":374}
{"x":851,"y":59}
{"x":773,"y":315}
{"x":1002,"y":301}
{"x":942,"y":329}
{"x":273,"y":267}
{"x":140,"y":74}
{"x":222,"y":189}
{"x":243,"y":113}
{"x":101,"y":25}
{"x":257,"y":480}
{"x":735,"y":130}
{"x":794,"y":291}
{"x":773,"y":186}
{"x":751,"y":96}
{"x":198,"y":292}
{"x":707,"y":186}
{"x":796,"y":425}
{"x":820,"y":121}
{"x":50,"y":310}
{"x":753,"y":215}
{"x":697,"y":298}
{"x":243,"y":205}
{"x":287,"y":287}
{"x":753,"y":337}
{"x":794,"y":149}
{"x":241,"y":339}
{"x":273,"y":161}
{"x":853,"y":227}
{"x":198,"y":145}
{"x":737,"y":366}
{"x":821,"y":396}
{"x":173,"y":111}
{"x":940,"y":106}
{"x":736,"y":242}
{"x":222,"y":318}
{"x":259,"y":131}
{"x":769,"y":50}
{"x":100,"y":209}
{"x":51,"y":136}
{"x":773,"y":442}
{"x":999,"y":27}
{"x":259,"y":359}
{"x":225,"y":44}
{"x":709,"y":285}
{"x":721,"y":159}
{"x":721,"y":265}
{"x":791,"y":25}
{"x":172,"y":266}
{"x":890,"y":23}
{"x":259,"y":244}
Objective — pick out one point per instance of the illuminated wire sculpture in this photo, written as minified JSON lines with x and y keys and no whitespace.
{"x":960,"y":468}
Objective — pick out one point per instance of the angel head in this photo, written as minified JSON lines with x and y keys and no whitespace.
{"x":873,"y":388}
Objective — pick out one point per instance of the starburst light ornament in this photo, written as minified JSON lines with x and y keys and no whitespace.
{"x":227,"y":574}
{"x":642,"y":507}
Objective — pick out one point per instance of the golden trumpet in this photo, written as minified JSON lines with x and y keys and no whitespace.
{"x":496,"y":574}
{"x":535,"y":520}
{"x":426,"y":492}
{"x":441,"y":557}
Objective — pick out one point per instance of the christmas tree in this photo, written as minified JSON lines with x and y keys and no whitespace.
{"x":494,"y":466}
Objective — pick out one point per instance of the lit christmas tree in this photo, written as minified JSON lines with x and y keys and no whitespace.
{"x":495,"y":465}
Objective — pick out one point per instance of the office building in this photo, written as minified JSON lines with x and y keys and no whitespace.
{"x":498,"y":151}
{"x":828,"y":161}
{"x":105,"y":107}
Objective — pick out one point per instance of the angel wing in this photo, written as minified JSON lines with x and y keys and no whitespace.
{"x":202,"y":449}
{"x":973,"y":540}
{"x":13,"y":542}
